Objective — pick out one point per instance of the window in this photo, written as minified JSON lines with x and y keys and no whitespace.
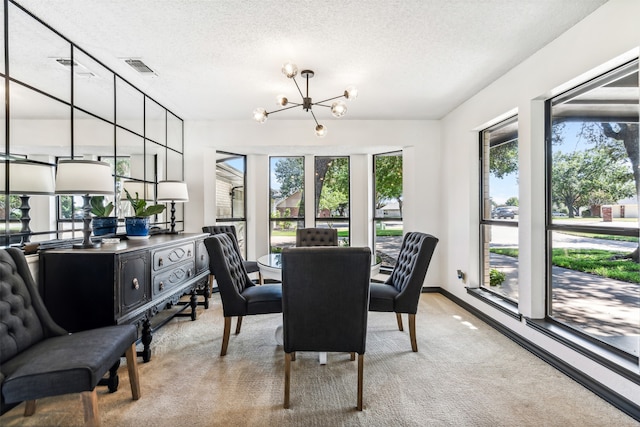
{"x":592,"y":210}
{"x":231,"y":180}
{"x":286,"y":201}
{"x":387,"y":217}
{"x":499,"y":209}
{"x":332,"y":195}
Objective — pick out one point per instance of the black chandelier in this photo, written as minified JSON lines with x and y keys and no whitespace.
{"x":338,"y":108}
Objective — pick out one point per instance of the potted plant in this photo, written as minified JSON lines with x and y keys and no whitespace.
{"x":102,"y":222}
{"x":496,"y":277}
{"x":138,"y":225}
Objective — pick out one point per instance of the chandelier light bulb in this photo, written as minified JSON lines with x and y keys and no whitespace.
{"x":351,"y":92}
{"x":260,"y":115}
{"x":321,"y":131}
{"x":282,"y":100}
{"x":338,"y":109}
{"x":290,"y":69}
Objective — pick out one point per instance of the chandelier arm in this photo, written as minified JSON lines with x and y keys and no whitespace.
{"x":286,"y":108}
{"x":296,"y":82}
{"x":329,"y":99}
{"x":314,"y":118}
{"x":321,"y":105}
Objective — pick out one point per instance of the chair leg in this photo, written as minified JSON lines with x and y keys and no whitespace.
{"x":238,"y":324}
{"x":225,"y":335}
{"x":353,"y":355}
{"x":287,"y":379}
{"x":399,"y":319}
{"x":293,"y":356}
{"x":360,"y":379}
{"x":132,"y":368}
{"x":29,"y":408}
{"x":260,"y":278}
{"x":211,"y":280}
{"x":90,"y":405}
{"x":412,"y":332}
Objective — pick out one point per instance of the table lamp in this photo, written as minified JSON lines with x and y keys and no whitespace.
{"x":86,"y":178}
{"x":27,"y":178}
{"x":173,"y":191}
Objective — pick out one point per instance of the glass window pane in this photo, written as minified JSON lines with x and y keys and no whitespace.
{"x":230,"y":185}
{"x":283,"y":234}
{"x":594,"y":287}
{"x":388,"y":185}
{"x":155,"y":122}
{"x":286,"y":184}
{"x":129,"y":107}
{"x":341,"y":226}
{"x":500,"y":268}
{"x":388,"y":240}
{"x":332,"y":187}
{"x":93,"y":88}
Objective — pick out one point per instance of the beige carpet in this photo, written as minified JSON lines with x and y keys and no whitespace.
{"x":465,"y":374}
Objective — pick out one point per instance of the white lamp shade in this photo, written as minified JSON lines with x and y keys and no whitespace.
{"x":145,"y":190}
{"x":28,"y":178}
{"x":172,"y":191}
{"x":84,"y":177}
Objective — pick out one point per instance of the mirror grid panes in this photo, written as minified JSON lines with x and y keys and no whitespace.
{"x":331,"y":184}
{"x":387,"y":208}
{"x":592,"y":190}
{"x":499,"y":249}
{"x":103,"y":120}
{"x":286,"y":196}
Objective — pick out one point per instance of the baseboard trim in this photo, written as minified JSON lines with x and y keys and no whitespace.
{"x":615,"y":399}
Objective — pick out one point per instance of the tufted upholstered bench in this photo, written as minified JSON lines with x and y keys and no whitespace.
{"x":39,"y":359}
{"x":316,"y":237}
{"x":401,"y":291}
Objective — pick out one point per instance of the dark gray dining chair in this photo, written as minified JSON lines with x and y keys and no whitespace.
{"x":240,"y":296}
{"x":250,"y":266}
{"x":316,"y":237}
{"x":400,"y":293}
{"x":325,"y":300}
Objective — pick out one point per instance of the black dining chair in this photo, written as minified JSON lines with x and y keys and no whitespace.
{"x":250,"y":266}
{"x":240,"y":296}
{"x":316,"y":237}
{"x":325,"y":299}
{"x":401,"y":291}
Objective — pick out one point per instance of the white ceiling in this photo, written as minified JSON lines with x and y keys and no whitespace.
{"x":219,"y":59}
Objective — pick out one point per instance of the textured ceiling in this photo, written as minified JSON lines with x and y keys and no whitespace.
{"x":410,"y":59}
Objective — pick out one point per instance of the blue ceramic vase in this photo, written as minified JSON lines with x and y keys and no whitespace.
{"x":137,"y":226}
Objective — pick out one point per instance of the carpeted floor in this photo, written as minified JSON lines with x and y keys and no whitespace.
{"x":465,"y":374}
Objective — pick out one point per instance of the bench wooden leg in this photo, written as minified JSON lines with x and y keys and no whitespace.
{"x":29,"y":408}
{"x":132,"y":367}
{"x":360,"y":379}
{"x":287,"y":378}
{"x":90,"y":405}
{"x":399,"y":319}
{"x":353,"y":355}
{"x":412,"y":332}
{"x":225,"y":335}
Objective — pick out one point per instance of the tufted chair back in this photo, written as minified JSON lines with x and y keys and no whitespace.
{"x":24,"y":320}
{"x":226,"y":265}
{"x":217,"y":229}
{"x":316,"y":237}
{"x":410,"y":270}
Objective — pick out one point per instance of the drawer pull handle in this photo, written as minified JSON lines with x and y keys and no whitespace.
{"x":189,"y":273}
{"x":160,"y":262}
{"x":136,"y":285}
{"x":161,"y":286}
{"x":202,"y":257}
{"x":189,"y":253}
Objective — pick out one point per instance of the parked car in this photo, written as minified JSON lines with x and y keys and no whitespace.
{"x":503,"y":212}
{"x":558,"y":214}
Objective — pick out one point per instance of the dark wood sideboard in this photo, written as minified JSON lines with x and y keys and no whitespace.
{"x":128,"y":282}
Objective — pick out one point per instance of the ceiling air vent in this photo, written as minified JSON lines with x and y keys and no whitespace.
{"x":78,"y":69}
{"x":140,"y":67}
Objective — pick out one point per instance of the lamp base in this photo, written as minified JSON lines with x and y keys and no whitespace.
{"x":86,"y":245}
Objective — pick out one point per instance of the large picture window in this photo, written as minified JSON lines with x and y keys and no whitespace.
{"x":499,"y":209}
{"x":387,"y":217}
{"x":332,"y":205}
{"x":592,"y":185}
{"x":286,"y":196}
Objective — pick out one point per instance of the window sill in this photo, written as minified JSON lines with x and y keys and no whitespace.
{"x":496,"y":302}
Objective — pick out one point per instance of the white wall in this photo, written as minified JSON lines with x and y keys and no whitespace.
{"x":608,"y":37}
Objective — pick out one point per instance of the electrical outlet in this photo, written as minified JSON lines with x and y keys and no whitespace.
{"x":461,"y":275}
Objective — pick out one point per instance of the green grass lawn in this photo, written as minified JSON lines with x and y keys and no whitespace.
{"x":594,"y":261}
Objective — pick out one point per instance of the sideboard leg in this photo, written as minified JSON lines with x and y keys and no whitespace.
{"x":146,"y":340}
{"x":194,"y":302}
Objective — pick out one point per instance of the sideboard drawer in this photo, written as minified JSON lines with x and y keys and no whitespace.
{"x":134,"y":289}
{"x":167,"y":280}
{"x":165,"y":258}
{"x":202,"y":257}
